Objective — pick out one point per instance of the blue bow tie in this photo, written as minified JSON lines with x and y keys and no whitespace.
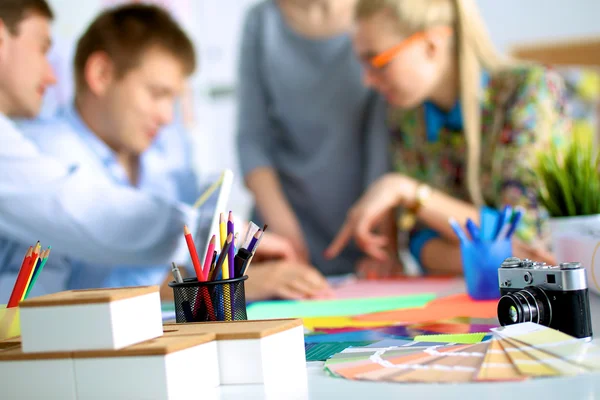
{"x":436,"y":119}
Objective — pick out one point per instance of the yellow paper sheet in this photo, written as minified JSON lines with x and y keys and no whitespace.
{"x":343,"y":322}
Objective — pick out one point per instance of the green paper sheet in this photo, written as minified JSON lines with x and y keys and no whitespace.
{"x":461,"y":338}
{"x":323,"y":351}
{"x":327,"y":308}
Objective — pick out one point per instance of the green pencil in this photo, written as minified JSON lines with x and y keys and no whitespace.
{"x":37,"y":271}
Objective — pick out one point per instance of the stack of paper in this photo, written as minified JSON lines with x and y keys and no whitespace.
{"x":515,"y":352}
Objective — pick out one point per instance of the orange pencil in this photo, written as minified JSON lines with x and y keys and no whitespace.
{"x":24,"y":273}
{"x":193,"y":253}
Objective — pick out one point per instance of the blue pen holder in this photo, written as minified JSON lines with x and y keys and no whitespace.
{"x":481,"y":261}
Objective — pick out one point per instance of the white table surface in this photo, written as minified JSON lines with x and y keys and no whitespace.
{"x":321,"y":386}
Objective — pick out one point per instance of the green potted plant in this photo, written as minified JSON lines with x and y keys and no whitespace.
{"x":569,"y":177}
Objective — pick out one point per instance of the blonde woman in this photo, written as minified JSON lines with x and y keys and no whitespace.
{"x":465,"y":125}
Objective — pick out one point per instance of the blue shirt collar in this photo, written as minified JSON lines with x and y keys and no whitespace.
{"x":101,"y":149}
{"x":436,"y":118}
{"x":104,"y":152}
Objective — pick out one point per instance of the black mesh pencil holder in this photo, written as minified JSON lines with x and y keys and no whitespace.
{"x":210,"y":301}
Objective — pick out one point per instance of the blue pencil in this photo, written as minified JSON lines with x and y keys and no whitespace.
{"x":514,"y":223}
{"x":458,"y":230}
{"x":254,"y":240}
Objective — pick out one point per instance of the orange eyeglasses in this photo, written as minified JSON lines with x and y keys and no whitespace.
{"x":384,"y":58}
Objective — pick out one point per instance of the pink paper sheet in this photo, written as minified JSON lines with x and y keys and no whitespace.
{"x":353,"y":289}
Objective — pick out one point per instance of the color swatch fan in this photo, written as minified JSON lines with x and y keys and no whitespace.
{"x":516,"y":352}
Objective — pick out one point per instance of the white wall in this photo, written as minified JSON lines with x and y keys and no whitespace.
{"x":215,"y":27}
{"x":516,"y":21}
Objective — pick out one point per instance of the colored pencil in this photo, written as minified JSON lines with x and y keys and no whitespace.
{"x":223,"y":233}
{"x":35,"y":261}
{"x":38,"y":270}
{"x":254,"y":240}
{"x":21,"y":281}
{"x":231,"y":252}
{"x":209,"y":257}
{"x":193,"y":253}
{"x":264,"y":229}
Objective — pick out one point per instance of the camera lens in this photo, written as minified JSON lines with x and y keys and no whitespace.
{"x":512,"y":314}
{"x":528,"y":305}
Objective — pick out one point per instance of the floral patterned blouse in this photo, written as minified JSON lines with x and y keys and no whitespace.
{"x":513,"y":105}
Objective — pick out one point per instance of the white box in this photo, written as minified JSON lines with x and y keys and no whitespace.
{"x":270,"y":352}
{"x":48,"y":376}
{"x":94,"y":319}
{"x":164,"y":368}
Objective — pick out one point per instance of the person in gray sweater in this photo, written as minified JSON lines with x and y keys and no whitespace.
{"x":311,"y":136}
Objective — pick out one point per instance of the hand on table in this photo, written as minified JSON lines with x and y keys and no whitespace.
{"x":367,"y":214}
{"x":275,"y":247}
{"x":284,"y":280}
{"x":369,"y":268}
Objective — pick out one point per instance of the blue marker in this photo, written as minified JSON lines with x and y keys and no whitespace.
{"x":473,"y":231}
{"x":489,"y":220}
{"x":504,"y":220}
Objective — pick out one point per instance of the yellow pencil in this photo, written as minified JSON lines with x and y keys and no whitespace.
{"x":225,"y":269}
{"x":208,"y":192}
{"x":36,"y":257}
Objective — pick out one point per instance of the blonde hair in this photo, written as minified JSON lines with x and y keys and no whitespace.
{"x":474,"y":51}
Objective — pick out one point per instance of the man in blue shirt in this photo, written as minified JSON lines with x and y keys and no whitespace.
{"x":127,"y":78}
{"x":84,"y":214}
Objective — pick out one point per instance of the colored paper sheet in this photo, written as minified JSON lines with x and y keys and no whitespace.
{"x":323,"y":351}
{"x":460,"y":305}
{"x":454,"y":366}
{"x":344,"y":363}
{"x":514,"y":353}
{"x":526,"y":364}
{"x":450,"y":326}
{"x":561,"y":366}
{"x":497,"y":366}
{"x":342,"y":322}
{"x":357,"y":336}
{"x":168,"y":311}
{"x":553,"y":342}
{"x":347,"y":307}
{"x":397,"y":330}
{"x":360,"y":289}
{"x":400,"y":343}
{"x":463,"y":338}
{"x":411,"y":362}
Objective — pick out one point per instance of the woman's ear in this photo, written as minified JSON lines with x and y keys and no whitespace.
{"x":98,"y":72}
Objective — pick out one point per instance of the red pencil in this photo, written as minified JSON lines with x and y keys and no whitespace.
{"x":24,"y":273}
{"x":209,"y":257}
{"x":193,"y":253}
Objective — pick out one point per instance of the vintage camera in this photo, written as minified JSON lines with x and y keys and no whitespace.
{"x":552,"y":295}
